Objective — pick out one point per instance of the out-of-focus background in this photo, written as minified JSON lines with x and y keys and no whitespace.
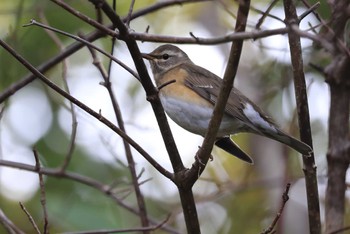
{"x":232,"y":197}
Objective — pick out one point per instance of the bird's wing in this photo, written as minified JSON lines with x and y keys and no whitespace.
{"x":207,"y":85}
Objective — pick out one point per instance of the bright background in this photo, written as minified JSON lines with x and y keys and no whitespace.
{"x":231,"y":195}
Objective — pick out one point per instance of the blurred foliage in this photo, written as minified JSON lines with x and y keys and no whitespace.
{"x":34,"y":43}
{"x":77,"y":207}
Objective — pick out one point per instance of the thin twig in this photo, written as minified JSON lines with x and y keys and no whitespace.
{"x":148,"y":37}
{"x":42,"y":192}
{"x":88,"y":181}
{"x":151,"y":38}
{"x":318,"y":17}
{"x":151,"y":91}
{"x":99,"y":16}
{"x":267,"y":13}
{"x":229,"y":76}
{"x":309,"y":10}
{"x":341,"y":230}
{"x":87,"y":109}
{"x":189,"y":40}
{"x":96,"y":24}
{"x":131,"y":163}
{"x":171,"y":39}
{"x":47,"y":65}
{"x":73,"y":134}
{"x":97,"y":34}
{"x":128,"y":230}
{"x":315,"y":38}
{"x":225,"y":7}
{"x":128,"y":17}
{"x":120,"y":63}
{"x":285,"y":198}
{"x":163,"y":4}
{"x":31,"y":220}
{"x":9,"y":225}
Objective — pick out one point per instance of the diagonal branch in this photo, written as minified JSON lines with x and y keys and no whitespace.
{"x":9,"y":226}
{"x":30,"y":218}
{"x":74,"y":47}
{"x":118,"y":114}
{"x":229,"y":76}
{"x":85,"y":42}
{"x":98,"y":116}
{"x":151,"y":91}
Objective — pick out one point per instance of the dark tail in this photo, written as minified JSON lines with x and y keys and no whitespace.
{"x":229,"y":146}
{"x":284,"y":138}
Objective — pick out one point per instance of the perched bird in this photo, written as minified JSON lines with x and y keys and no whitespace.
{"x":189,"y":92}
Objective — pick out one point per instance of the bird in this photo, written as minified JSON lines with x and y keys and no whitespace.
{"x":189,"y":92}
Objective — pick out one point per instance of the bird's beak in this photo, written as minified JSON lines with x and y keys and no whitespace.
{"x":147,"y":56}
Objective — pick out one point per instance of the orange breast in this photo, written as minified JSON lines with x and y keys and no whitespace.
{"x":179,"y":90}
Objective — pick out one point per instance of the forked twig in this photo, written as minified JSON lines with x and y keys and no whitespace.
{"x":120,"y":63}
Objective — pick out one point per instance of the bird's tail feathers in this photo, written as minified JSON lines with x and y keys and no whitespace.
{"x":284,"y":138}
{"x":229,"y":146}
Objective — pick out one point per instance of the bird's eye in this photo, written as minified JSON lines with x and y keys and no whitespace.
{"x":165,"y":56}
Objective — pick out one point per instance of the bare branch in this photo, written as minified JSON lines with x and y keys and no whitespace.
{"x":42,"y":192}
{"x":9,"y":225}
{"x":31,"y":220}
{"x":152,"y":38}
{"x":341,"y":230}
{"x":285,"y":198}
{"x":267,"y":13}
{"x":128,"y":17}
{"x":309,"y":10}
{"x":77,"y":45}
{"x":120,"y":63}
{"x":229,"y":76}
{"x":131,"y":163}
{"x":87,"y":109}
{"x":128,"y":230}
{"x":303,"y":118}
{"x":74,"y":47}
{"x":71,"y":146}
{"x":105,"y":189}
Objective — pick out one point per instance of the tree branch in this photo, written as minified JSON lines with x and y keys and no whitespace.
{"x":9,"y":225}
{"x":151,"y":91}
{"x":338,"y":155}
{"x":285,"y":198}
{"x":120,"y":121}
{"x":229,"y":76}
{"x":31,"y":220}
{"x":103,"y":188}
{"x":303,"y":118}
{"x":87,"y":109}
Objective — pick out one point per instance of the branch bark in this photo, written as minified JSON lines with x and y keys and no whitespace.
{"x":229,"y":76}
{"x":310,"y":172}
{"x":338,"y":155}
{"x":129,"y":156}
